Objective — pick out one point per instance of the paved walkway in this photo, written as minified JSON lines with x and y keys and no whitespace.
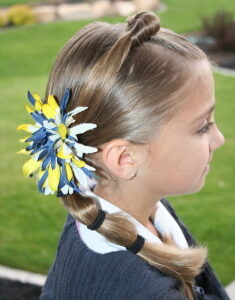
{"x":23,"y":276}
{"x":224,"y":71}
{"x":39,"y":279}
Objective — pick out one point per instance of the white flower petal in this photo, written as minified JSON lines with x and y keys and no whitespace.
{"x":38,"y":125}
{"x":65,"y":189}
{"x":36,"y":155}
{"x":70,"y":190}
{"x":35,"y":128}
{"x":48,"y":191}
{"x":80,"y":149}
{"x":77,"y":110}
{"x":57,"y":118}
{"x":80,"y":175}
{"x":69,"y":120}
{"x":48,"y":125}
{"x":89,"y":167}
{"x":81,"y":128}
{"x":58,"y":144}
{"x":67,"y":150}
{"x":54,"y":136}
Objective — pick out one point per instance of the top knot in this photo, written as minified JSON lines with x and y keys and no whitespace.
{"x":142,"y":26}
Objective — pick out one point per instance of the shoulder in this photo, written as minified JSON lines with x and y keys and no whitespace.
{"x":78,"y":270}
{"x":133,"y":278}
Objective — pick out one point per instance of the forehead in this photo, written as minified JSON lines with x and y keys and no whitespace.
{"x":199,"y":94}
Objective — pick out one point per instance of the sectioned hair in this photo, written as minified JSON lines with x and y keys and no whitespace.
{"x":133,"y":76}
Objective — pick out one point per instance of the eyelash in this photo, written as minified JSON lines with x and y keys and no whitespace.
{"x":206,"y":128}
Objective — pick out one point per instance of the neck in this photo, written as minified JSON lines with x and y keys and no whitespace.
{"x":139,"y":205}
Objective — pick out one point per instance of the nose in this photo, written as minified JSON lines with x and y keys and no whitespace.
{"x":217,"y":139}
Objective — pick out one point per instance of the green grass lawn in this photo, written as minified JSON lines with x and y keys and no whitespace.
{"x":6,"y":3}
{"x":30,"y":223}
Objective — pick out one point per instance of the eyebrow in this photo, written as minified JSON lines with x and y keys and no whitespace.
{"x":205,"y":114}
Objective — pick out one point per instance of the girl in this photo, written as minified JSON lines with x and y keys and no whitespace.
{"x":145,"y":97}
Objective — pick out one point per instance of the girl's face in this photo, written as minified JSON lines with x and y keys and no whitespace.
{"x":179,"y":159}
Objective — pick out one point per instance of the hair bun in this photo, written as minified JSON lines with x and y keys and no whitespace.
{"x":142,"y":26}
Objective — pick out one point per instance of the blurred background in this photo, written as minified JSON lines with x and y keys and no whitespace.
{"x":31,"y":34}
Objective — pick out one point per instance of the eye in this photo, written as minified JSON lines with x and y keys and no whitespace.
{"x":206,"y":128}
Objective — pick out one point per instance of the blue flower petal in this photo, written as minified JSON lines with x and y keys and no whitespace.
{"x":59,"y":194}
{"x":88,"y":172}
{"x":41,"y":181}
{"x":31,"y":98}
{"x":46,"y":162}
{"x":59,"y":161}
{"x":42,"y":154}
{"x":30,"y":147}
{"x":76,"y":188}
{"x":70,"y":145}
{"x":37,"y":135}
{"x":53,"y":162}
{"x":51,"y":120}
{"x":40,"y":118}
{"x":71,"y":138}
{"x":64,"y":177}
{"x":64,"y":101}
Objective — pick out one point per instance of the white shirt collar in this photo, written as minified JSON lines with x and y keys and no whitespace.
{"x":163,"y":222}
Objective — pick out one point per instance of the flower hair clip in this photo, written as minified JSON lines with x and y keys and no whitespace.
{"x":55,"y":151}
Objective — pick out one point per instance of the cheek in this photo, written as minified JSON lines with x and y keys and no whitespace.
{"x":183,"y":161}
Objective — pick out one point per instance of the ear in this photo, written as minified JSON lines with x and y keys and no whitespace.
{"x":119,"y":158}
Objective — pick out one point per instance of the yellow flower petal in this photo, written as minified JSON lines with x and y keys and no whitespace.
{"x":61,"y":153}
{"x":24,"y":127}
{"x":40,"y":174}
{"x":23,"y":151}
{"x":78,"y":163}
{"x":30,"y":167}
{"x":48,"y":111}
{"x":62,"y":129}
{"x":52,"y":102}
{"x":29,"y":109}
{"x":24,"y":139}
{"x":69,"y":171}
{"x":38,"y":103}
{"x":45,"y":183}
{"x":54,"y":177}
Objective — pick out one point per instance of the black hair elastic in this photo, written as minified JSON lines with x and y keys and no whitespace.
{"x":99,"y":220}
{"x":137,"y":245}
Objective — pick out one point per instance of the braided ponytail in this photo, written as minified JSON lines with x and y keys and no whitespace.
{"x":100,"y":60}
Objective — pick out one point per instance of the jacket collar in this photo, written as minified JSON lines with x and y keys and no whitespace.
{"x":163,"y":222}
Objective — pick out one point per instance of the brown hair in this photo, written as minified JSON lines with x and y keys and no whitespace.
{"x":132,"y":77}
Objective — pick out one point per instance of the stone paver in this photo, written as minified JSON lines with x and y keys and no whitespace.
{"x":23,"y":276}
{"x":230,"y":289}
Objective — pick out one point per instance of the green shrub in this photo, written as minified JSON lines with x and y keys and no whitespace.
{"x":3,"y":20}
{"x":20,"y":15}
{"x":222,"y":27}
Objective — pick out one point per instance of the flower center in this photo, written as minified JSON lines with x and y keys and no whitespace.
{"x":62,"y":129}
